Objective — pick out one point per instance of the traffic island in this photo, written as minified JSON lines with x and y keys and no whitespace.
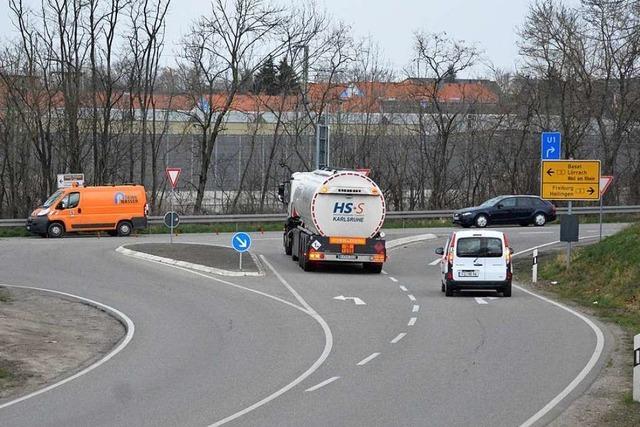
{"x":220,"y":260}
{"x":46,"y":337}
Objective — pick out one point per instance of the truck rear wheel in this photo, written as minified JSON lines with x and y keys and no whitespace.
{"x":372,"y":267}
{"x":287,"y":245}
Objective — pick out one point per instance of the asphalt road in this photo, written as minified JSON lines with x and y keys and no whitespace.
{"x":279,"y":350}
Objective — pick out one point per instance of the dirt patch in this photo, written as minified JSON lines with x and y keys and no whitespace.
{"x":46,"y":337}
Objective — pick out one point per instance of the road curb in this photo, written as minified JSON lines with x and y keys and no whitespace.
{"x":191,"y":266}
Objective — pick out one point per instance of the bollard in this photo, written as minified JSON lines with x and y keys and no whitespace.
{"x":636,"y":368}
{"x":534,"y":268}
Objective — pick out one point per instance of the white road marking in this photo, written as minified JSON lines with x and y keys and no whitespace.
{"x":130,"y":327}
{"x":384,"y":272}
{"x":356,"y":300}
{"x":393,"y":279}
{"x":325,"y":353}
{"x":536,"y":232}
{"x":597,"y":352}
{"x":435,"y":261}
{"x":481,"y":301}
{"x":306,"y":308}
{"x":368,"y":359}
{"x":411,"y":297}
{"x":492,"y":298}
{"x":322,"y":384}
{"x":412,"y":321}
{"x":416,"y":308}
{"x":403,"y":288}
{"x":399,"y":337}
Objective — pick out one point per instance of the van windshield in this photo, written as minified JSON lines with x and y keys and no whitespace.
{"x":476,"y":247}
{"x":52,"y":199}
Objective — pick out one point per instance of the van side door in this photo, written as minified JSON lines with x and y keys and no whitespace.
{"x":69,"y":210}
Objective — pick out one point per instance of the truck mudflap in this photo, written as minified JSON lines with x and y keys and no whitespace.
{"x":346,"y":249}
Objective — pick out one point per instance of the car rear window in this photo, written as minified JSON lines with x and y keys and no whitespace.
{"x":474,"y":247}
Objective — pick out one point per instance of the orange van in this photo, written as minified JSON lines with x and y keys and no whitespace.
{"x":117,"y":209}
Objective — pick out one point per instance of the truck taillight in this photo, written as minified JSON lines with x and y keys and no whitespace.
{"x":316,"y":256}
{"x":379,"y":258}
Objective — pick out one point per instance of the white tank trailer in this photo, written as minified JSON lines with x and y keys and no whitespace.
{"x":334,"y":216}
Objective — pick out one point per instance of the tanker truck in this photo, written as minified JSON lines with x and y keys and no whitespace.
{"x":334,"y":216}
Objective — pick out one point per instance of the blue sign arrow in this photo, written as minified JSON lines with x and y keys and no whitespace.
{"x":241,"y":242}
{"x":550,"y":146}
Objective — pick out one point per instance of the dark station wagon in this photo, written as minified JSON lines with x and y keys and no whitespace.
{"x":523,"y":210}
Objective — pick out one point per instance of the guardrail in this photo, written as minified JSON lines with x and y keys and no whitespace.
{"x":404,"y":215}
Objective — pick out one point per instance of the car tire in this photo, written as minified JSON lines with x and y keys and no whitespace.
{"x":372,"y":267}
{"x":442,"y":286}
{"x":448,"y":291}
{"x":506,"y":291}
{"x":481,"y":221}
{"x":539,"y":219}
{"x":55,"y":230}
{"x":124,"y":228}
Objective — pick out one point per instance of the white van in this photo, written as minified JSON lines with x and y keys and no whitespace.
{"x":476,"y":260}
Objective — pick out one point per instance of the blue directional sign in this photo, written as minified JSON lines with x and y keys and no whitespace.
{"x":550,"y":146}
{"x":241,"y":242}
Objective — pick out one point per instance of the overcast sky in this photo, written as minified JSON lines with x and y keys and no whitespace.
{"x":490,"y":24}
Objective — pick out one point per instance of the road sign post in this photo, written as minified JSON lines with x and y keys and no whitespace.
{"x":570,"y":180}
{"x":172,"y":174}
{"x":550,"y":145}
{"x":605,"y":182}
{"x":636,"y":368}
{"x":241,"y":242}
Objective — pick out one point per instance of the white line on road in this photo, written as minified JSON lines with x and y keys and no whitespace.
{"x":384,"y":272}
{"x":412,"y":321}
{"x":403,"y":288}
{"x":393,"y":279}
{"x":399,"y":337}
{"x":481,"y":301}
{"x":435,"y":261}
{"x":325,"y":352}
{"x":304,"y":309}
{"x":411,"y":297}
{"x":130,"y":327}
{"x":368,"y":359}
{"x":322,"y":384}
{"x":416,"y":308}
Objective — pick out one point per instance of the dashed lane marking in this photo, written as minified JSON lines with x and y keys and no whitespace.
{"x":368,"y":359}
{"x":399,"y":337}
{"x":412,"y":321}
{"x":411,"y":297}
{"x":416,"y":308}
{"x":481,"y":301}
{"x":435,"y":261}
{"x":322,"y":384}
{"x":393,"y":279}
{"x":403,"y":288}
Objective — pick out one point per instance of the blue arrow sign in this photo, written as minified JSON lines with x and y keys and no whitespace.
{"x":550,"y":146}
{"x":241,"y":242}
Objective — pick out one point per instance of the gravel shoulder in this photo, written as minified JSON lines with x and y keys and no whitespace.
{"x":45,"y":338}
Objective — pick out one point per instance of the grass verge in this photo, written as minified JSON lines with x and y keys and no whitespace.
{"x":605,"y":278}
{"x":4,"y":295}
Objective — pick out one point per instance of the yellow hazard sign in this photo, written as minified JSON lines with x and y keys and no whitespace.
{"x":570,"y":179}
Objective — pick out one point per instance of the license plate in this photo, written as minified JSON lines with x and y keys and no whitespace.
{"x":342,"y":256}
{"x":468,"y":273}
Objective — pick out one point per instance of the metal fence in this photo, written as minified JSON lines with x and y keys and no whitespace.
{"x":405,"y":215}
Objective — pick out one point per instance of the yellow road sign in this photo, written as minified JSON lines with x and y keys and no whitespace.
{"x":570,"y":179}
